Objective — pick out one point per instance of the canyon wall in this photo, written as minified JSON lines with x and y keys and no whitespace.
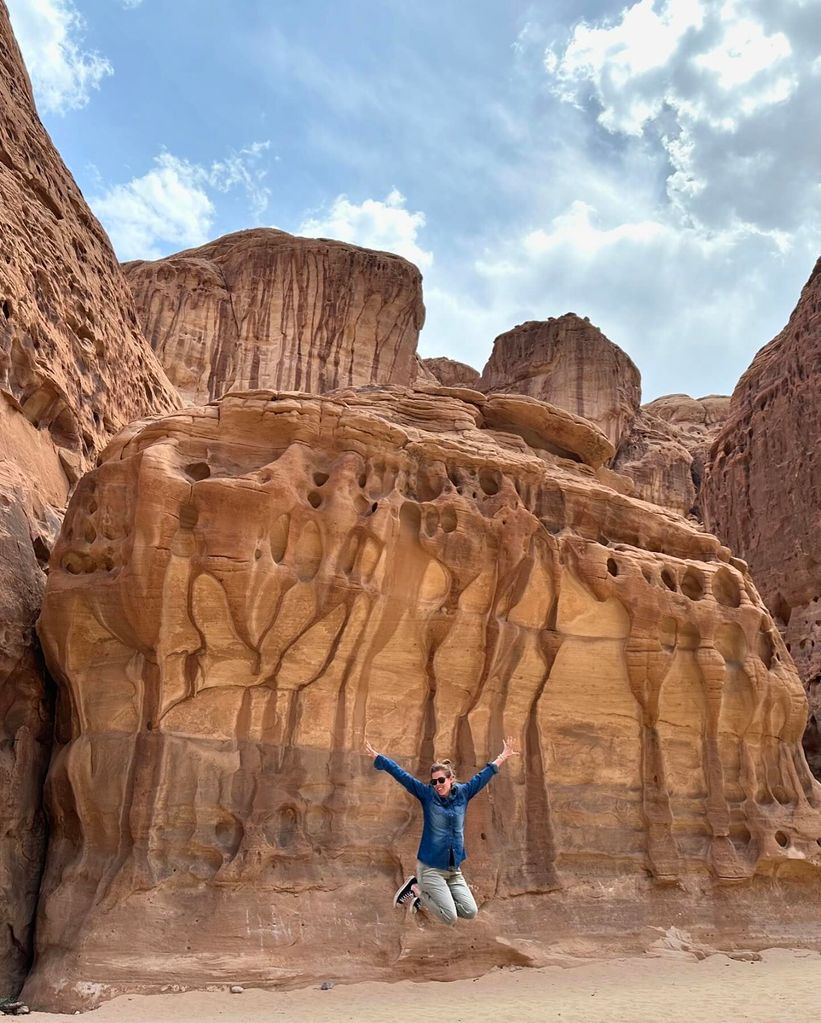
{"x":243,"y":593}
{"x":762,"y":486}
{"x":74,"y":368}
{"x":263,"y":308}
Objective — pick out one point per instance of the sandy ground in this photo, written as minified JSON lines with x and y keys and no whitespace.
{"x":784,"y":985}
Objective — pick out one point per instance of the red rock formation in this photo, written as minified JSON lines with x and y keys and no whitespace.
{"x":697,"y":422}
{"x":74,"y":368}
{"x":451,"y":373}
{"x":664,"y":450}
{"x":263,"y":308}
{"x":242,"y":593}
{"x":570,"y":363}
{"x":762,"y":485}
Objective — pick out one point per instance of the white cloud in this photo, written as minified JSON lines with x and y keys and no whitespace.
{"x":171,"y":205}
{"x":167,"y":205}
{"x":50,"y":34}
{"x":131,"y":4}
{"x":240,"y":169}
{"x":722,"y":94}
{"x":375,"y":224}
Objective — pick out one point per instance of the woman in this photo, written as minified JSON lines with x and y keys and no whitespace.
{"x":438,"y":884}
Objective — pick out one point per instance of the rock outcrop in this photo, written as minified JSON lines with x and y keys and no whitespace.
{"x":74,"y":368}
{"x":568,"y":362}
{"x":451,"y":373}
{"x":242,"y":593}
{"x":263,"y":308}
{"x":762,"y":486}
{"x":664,"y":450}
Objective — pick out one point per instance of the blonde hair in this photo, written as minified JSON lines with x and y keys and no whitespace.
{"x":443,"y":765}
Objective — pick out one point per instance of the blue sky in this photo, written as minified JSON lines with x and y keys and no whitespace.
{"x":654,"y":165}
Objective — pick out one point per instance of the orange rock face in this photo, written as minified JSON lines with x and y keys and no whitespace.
{"x":74,"y":368}
{"x":263,"y":308}
{"x":570,"y":363}
{"x":762,"y":486}
{"x":451,"y":373}
{"x":664,"y":450}
{"x":242,"y":593}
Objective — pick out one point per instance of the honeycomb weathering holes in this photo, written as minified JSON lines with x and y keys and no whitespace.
{"x":692,"y":585}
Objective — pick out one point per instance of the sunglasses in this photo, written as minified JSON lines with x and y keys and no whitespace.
{"x":438,"y":781}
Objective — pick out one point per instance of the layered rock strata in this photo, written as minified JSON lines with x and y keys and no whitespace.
{"x":762,"y":486}
{"x":242,"y":593}
{"x":568,"y":362}
{"x":263,"y":308}
{"x":74,"y":368}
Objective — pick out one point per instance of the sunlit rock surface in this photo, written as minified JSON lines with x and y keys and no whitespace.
{"x":242,"y":593}
{"x":263,"y":308}
{"x":569,"y":362}
{"x":762,"y":486}
{"x":74,"y":368}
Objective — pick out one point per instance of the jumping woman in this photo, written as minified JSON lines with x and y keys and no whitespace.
{"x":438,"y":884}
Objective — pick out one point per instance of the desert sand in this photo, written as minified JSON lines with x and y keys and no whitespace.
{"x":675,"y":989}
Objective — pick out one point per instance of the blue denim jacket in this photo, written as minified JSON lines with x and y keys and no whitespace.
{"x":443,"y":836}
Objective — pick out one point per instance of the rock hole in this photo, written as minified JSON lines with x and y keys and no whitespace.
{"x":484,"y":837}
{"x":692,"y":585}
{"x":6,"y":307}
{"x":198,"y":471}
{"x":314,"y":499}
{"x":362,"y":479}
{"x":73,"y":564}
{"x":374,"y":506}
{"x":648,"y":575}
{"x":782,"y":839}
{"x":321,"y":478}
{"x":489,"y":482}
{"x":725,"y":589}
{"x":90,"y":533}
{"x":612,"y":567}
{"x":448,"y":520}
{"x":668,"y":579}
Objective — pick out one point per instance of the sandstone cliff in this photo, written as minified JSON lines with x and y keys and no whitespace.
{"x":263,"y":308}
{"x":242,"y":593}
{"x":762,"y":485}
{"x":570,"y":363}
{"x":74,"y":368}
{"x":451,"y":373}
{"x":665,"y":447}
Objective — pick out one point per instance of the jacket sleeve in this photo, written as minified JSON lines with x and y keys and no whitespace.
{"x":407,"y":781}
{"x":478,"y":781}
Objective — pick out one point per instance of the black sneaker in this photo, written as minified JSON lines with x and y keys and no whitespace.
{"x":405,"y":893}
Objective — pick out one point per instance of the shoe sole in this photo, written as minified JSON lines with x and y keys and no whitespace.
{"x":404,"y":889}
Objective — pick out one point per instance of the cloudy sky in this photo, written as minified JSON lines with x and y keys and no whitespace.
{"x":654,"y":165}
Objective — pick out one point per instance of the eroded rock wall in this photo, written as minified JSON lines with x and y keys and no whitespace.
{"x":242,"y":593}
{"x":568,"y":362}
{"x":762,"y":485}
{"x":263,"y":308}
{"x":74,"y":368}
{"x":451,"y":373}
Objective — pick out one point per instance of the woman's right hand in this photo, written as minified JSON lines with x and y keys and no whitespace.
{"x":370,"y":750}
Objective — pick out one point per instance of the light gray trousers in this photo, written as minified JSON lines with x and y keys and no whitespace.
{"x":445,"y":894}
